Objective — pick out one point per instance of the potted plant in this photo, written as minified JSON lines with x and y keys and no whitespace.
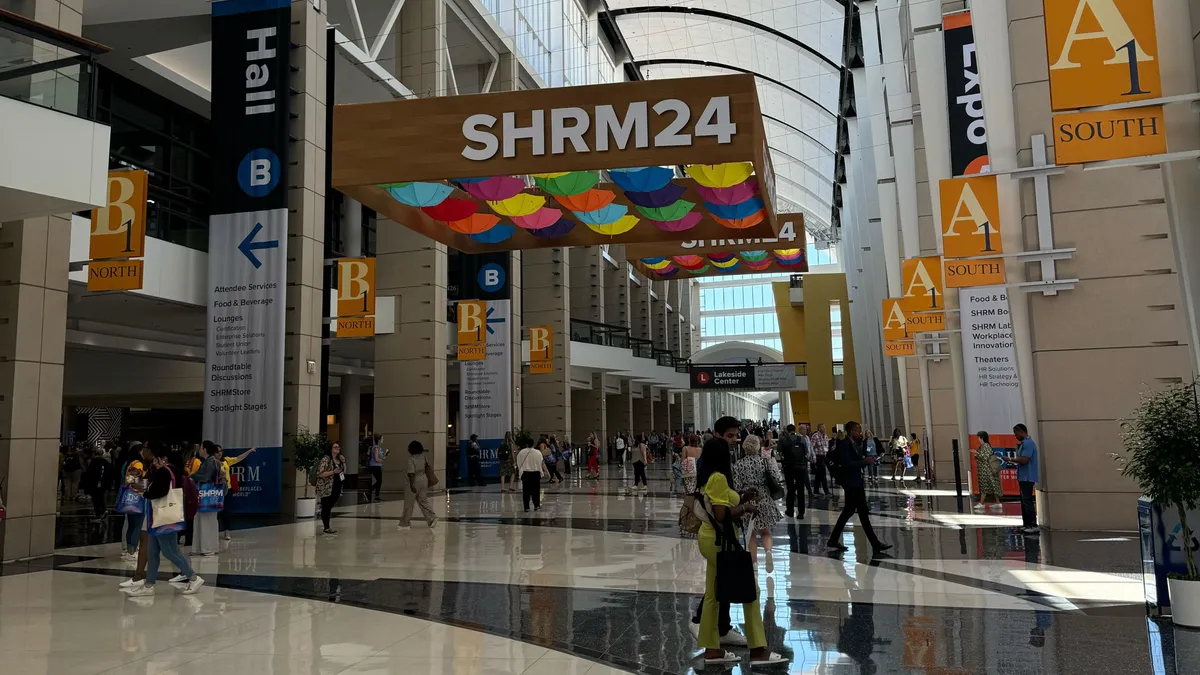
{"x":1162,"y":454}
{"x":307,"y":450}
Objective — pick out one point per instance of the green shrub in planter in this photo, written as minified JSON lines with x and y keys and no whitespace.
{"x":307,"y":450}
{"x":1162,"y":453}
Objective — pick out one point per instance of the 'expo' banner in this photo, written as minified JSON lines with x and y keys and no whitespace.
{"x":968,"y":131}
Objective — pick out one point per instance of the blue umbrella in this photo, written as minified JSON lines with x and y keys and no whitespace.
{"x":495,"y":235}
{"x":421,"y":194}
{"x":648,"y":179}
{"x":603,"y":216}
{"x":735,"y":211}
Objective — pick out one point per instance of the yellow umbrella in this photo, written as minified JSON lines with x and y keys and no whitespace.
{"x":720,"y":175}
{"x":520,"y":205}
{"x":621,"y":226}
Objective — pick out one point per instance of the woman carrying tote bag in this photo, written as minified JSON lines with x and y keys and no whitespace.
{"x":724,"y":506}
{"x":166,"y":520}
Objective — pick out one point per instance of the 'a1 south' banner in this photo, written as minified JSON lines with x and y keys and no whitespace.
{"x":964,"y":92}
{"x":247,"y":248}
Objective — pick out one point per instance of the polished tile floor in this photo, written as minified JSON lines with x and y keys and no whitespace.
{"x":599,"y":581}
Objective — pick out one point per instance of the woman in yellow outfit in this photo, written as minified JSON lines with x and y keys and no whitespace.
{"x":716,"y":476}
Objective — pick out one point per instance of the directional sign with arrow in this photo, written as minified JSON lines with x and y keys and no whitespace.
{"x":249,"y":246}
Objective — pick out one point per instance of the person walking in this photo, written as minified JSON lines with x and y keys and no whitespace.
{"x":750,"y":474}
{"x":724,"y":507}
{"x":416,"y":493}
{"x":531,"y":467}
{"x":549,"y":460}
{"x":849,"y":460}
{"x":72,"y":474}
{"x":163,"y":539}
{"x":506,"y":453}
{"x":687,"y":463}
{"x":819,"y":442}
{"x":641,"y":457}
{"x":1027,"y":477}
{"x":794,"y":455}
{"x":899,"y":450}
{"x":97,"y":479}
{"x":593,"y":456}
{"x":205,"y":537}
{"x":376,"y":454}
{"x":129,"y":499}
{"x":138,"y":486}
{"x":619,"y":446}
{"x":914,"y":454}
{"x":871,"y":449}
{"x":331,"y":473}
{"x":987,"y":468}
{"x":474,"y":463}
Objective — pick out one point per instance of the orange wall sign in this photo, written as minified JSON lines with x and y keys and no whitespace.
{"x":356,"y":286}
{"x":472,"y":330}
{"x":1113,"y":134}
{"x":119,"y":229}
{"x":970,"y":217}
{"x":1101,"y":52}
{"x":968,"y":273}
{"x":899,"y":348}
{"x":921,"y":284}
{"x":541,"y":350}
{"x":115,"y":275}
{"x":355,"y":326}
{"x":895,"y":322}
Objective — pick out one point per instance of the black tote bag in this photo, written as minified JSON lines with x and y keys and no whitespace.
{"x":736,"y":583}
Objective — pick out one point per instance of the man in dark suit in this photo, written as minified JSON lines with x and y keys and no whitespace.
{"x":848,"y":461}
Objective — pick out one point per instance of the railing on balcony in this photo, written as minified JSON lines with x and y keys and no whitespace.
{"x":796,"y":281}
{"x":47,"y":67}
{"x":595,"y":333}
{"x":664,"y":357}
{"x":839,"y":368}
{"x":643,"y":349}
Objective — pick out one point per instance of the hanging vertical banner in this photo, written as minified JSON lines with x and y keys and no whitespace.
{"x":355,"y":297}
{"x":1101,"y":52}
{"x":921,"y":282}
{"x":247,"y":248}
{"x":472,"y":330}
{"x":991,"y":383}
{"x":964,"y":93}
{"x":895,"y":323}
{"x":485,"y":385}
{"x":970,"y":211}
{"x":541,"y":350}
{"x":118,"y":234}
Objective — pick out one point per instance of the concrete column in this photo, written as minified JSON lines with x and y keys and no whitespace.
{"x":676,"y":413}
{"x":617,"y":288}
{"x":351,"y":228}
{"x":639,"y":307}
{"x":306,"y":237}
{"x":589,"y":411}
{"x":410,"y":364}
{"x":349,"y":420}
{"x":508,"y":79}
{"x":587,"y":283}
{"x":619,"y":411}
{"x":643,"y":410}
{"x":662,"y":411}
{"x":658,"y":314}
{"x":547,"y":287}
{"x":33,"y":321}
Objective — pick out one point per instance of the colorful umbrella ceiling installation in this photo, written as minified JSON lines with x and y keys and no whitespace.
{"x":724,"y":262}
{"x":729,"y":193}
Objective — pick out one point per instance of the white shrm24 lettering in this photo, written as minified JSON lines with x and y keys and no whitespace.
{"x":572,"y":125}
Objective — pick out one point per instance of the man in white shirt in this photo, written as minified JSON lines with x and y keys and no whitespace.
{"x":620,"y":447}
{"x":532,"y":467}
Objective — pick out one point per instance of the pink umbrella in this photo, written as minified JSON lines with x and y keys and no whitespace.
{"x":543,"y":217}
{"x":730,"y":195}
{"x":685,"y":223}
{"x":496,"y":188}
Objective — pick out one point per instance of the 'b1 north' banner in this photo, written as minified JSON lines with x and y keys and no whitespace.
{"x":968,"y":132}
{"x":485,"y":384}
{"x":247,"y":249}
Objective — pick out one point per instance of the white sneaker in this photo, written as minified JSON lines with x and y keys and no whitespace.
{"x":131,"y":584}
{"x":978,"y":507}
{"x":404,"y":527}
{"x":734,"y":638}
{"x":140,"y":591}
{"x":178,"y":579}
{"x":694,"y":628}
{"x":433,"y":522}
{"x":126,"y":556}
{"x":193,"y":585}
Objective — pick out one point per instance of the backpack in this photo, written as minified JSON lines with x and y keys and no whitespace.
{"x":191,"y":497}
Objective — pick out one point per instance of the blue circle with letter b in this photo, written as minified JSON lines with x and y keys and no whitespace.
{"x":491,"y":277}
{"x":258,"y":173}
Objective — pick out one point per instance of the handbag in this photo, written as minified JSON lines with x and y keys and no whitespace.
{"x":166,"y":512}
{"x":430,"y":477}
{"x":736,"y":582}
{"x":212,"y":497}
{"x":773,"y":487}
{"x":128,"y":501}
{"x":689,"y":520}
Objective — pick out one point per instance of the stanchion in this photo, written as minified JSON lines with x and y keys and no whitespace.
{"x":957,"y":475}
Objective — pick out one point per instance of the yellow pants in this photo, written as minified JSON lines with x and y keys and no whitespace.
{"x":710,"y":638}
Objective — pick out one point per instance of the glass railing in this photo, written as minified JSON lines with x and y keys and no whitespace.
{"x":596,"y":333}
{"x":839,"y":368}
{"x":643,"y":349}
{"x":664,"y":357}
{"x":47,"y":67}
{"x":796,"y":281}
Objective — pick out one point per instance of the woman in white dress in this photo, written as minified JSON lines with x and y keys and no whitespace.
{"x":750,"y":472}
